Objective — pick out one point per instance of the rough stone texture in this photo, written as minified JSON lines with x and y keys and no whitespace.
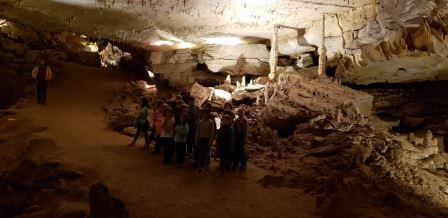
{"x":200,"y":93}
{"x":121,"y":109}
{"x":298,"y":99}
{"x":238,"y":60}
{"x":147,"y":21}
{"x":104,"y":205}
{"x":129,"y":131}
{"x":305,"y":61}
{"x":33,"y":183}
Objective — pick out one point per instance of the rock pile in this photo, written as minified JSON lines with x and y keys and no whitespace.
{"x":26,"y":189}
{"x":121,"y":109}
{"x":51,"y":189}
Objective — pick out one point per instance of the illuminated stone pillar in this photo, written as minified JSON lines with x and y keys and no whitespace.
{"x":322,"y":50}
{"x":274,"y":54}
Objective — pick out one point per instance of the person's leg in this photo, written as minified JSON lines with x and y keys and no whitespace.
{"x":137,"y":134}
{"x":207,"y":157}
{"x":243,"y":160}
{"x":145,"y":134}
{"x":152,"y":135}
{"x":170,"y":150}
{"x":200,"y":156}
{"x":178,"y":152}
{"x":39,"y":92}
{"x":44,"y":92}
{"x":165,"y":151}
{"x":190,"y":140}
{"x":157,"y":145}
{"x":183,"y":153}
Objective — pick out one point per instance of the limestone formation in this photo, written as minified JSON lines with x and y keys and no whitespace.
{"x":299,"y":99}
{"x":238,"y":60}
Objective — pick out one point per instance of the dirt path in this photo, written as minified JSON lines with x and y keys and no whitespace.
{"x":75,"y":122}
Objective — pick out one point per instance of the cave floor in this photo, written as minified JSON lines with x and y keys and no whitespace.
{"x":75,"y":122}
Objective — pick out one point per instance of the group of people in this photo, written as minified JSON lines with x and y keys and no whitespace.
{"x":180,"y":128}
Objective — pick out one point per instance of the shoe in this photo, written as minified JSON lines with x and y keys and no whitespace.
{"x":143,"y":148}
{"x":132,"y":144}
{"x":155,"y":152}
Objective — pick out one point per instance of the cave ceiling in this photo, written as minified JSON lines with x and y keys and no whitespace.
{"x":148,"y":22}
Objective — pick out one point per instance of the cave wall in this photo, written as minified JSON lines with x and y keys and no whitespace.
{"x":21,"y":45}
{"x":389,"y":41}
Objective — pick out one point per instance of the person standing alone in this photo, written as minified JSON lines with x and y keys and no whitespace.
{"x":41,"y":74}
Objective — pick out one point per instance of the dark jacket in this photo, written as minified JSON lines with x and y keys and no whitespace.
{"x":225,"y":141}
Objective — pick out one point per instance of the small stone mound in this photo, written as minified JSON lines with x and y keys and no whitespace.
{"x":104,"y":205}
{"x":32,"y":184}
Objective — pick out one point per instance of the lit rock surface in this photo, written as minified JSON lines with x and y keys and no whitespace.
{"x":238,"y":60}
{"x":297,"y":99}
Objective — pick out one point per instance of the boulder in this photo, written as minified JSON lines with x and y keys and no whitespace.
{"x":119,"y":120}
{"x":200,"y":93}
{"x":297,"y":99}
{"x":130,"y":131}
{"x":241,"y":59}
{"x":304,"y":61}
{"x":12,"y":87}
{"x":104,"y":205}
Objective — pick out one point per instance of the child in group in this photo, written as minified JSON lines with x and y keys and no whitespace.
{"x":204,"y":136}
{"x":224,"y":143}
{"x":192,"y":111}
{"x":141,"y":122}
{"x":167,"y":136}
{"x":158,"y":121}
{"x":239,"y":153}
{"x":180,"y":140}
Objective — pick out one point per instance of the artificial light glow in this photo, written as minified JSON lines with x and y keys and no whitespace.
{"x":3,"y":23}
{"x":93,"y":47}
{"x":219,"y":93}
{"x":162,"y":42}
{"x":224,"y":41}
{"x":151,"y":74}
{"x":185,"y":45}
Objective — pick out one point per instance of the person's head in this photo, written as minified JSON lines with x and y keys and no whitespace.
{"x":240,"y":112}
{"x":228,"y":106}
{"x":190,"y":101}
{"x":203,"y":114}
{"x":168,"y":113}
{"x":144,"y":103}
{"x":226,"y":120}
{"x":183,"y":119}
{"x":179,"y":104}
{"x":41,"y":61}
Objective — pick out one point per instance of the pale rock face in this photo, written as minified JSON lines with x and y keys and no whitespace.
{"x":238,"y":60}
{"x":297,"y":99}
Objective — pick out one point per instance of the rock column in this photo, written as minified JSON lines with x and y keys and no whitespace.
{"x":322,"y":50}
{"x":274,"y":54}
